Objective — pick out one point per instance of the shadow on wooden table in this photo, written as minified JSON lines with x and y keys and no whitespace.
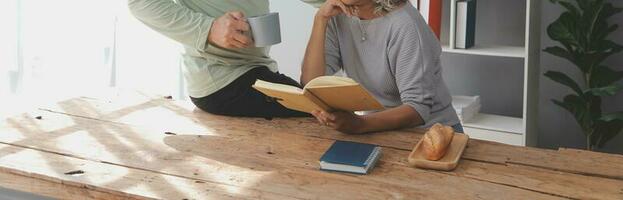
{"x":222,"y":149}
{"x":252,"y":157}
{"x":83,"y":138}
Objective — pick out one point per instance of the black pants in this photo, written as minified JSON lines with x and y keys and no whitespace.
{"x":240,"y":99}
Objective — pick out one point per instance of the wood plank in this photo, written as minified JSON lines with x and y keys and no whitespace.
{"x":126,"y":110}
{"x":45,"y":173}
{"x":239,"y":158}
{"x":564,"y":184}
{"x":533,"y":179}
{"x":584,"y":160}
{"x":606,"y":165}
{"x":51,"y":188}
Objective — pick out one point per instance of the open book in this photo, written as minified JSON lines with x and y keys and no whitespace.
{"x":326,"y":93}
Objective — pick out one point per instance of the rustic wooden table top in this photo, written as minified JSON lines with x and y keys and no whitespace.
{"x":136,"y":146}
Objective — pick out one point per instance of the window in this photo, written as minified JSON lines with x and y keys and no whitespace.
{"x":69,"y":47}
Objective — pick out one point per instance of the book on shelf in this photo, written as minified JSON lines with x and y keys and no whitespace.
{"x":326,"y":93}
{"x":352,"y":157}
{"x":415,"y":4}
{"x":431,"y":11}
{"x":465,"y":24}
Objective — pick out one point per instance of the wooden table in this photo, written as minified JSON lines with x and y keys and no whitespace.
{"x":137,"y":146}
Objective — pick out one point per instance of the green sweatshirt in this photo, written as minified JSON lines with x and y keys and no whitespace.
{"x":206,"y":68}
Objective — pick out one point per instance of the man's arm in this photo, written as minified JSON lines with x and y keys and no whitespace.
{"x":191,"y":28}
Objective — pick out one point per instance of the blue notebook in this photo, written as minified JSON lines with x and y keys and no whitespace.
{"x":353,"y":157}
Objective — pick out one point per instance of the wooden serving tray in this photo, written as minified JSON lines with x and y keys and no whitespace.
{"x":448,"y":162}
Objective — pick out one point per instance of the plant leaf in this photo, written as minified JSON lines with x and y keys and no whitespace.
{"x":560,"y":52}
{"x":612,"y":116}
{"x":603,"y":76}
{"x":599,"y":51}
{"x":607,"y":32}
{"x":583,"y":4}
{"x":609,"y":90}
{"x":606,"y":46}
{"x":594,"y":106}
{"x":609,"y":10}
{"x":563,"y":28}
{"x":565,"y":80}
{"x":578,"y":107}
{"x":563,"y":105}
{"x":570,"y":7}
{"x":592,"y":16}
{"x":608,"y":127}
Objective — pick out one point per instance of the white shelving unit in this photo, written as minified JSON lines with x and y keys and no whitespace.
{"x":490,"y":50}
{"x":505,"y":129}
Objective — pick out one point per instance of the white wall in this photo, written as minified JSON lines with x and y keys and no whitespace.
{"x":296,"y":22}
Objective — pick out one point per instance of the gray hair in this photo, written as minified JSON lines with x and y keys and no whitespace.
{"x":385,"y":6}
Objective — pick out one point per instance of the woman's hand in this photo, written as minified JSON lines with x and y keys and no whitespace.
{"x":332,"y":8}
{"x":346,"y":122}
{"x":389,"y":119}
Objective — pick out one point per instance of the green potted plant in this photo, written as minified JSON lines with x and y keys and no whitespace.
{"x":583,"y":30}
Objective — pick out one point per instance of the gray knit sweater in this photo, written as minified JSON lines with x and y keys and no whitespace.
{"x":396,"y":58}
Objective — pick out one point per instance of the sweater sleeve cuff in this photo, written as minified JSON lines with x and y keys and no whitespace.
{"x":422,"y":110}
{"x":314,"y":3}
{"x":202,"y":41}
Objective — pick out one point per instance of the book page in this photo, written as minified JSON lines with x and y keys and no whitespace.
{"x":290,"y":96}
{"x":330,"y":81}
{"x":277,"y":87}
{"x":346,"y":98}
